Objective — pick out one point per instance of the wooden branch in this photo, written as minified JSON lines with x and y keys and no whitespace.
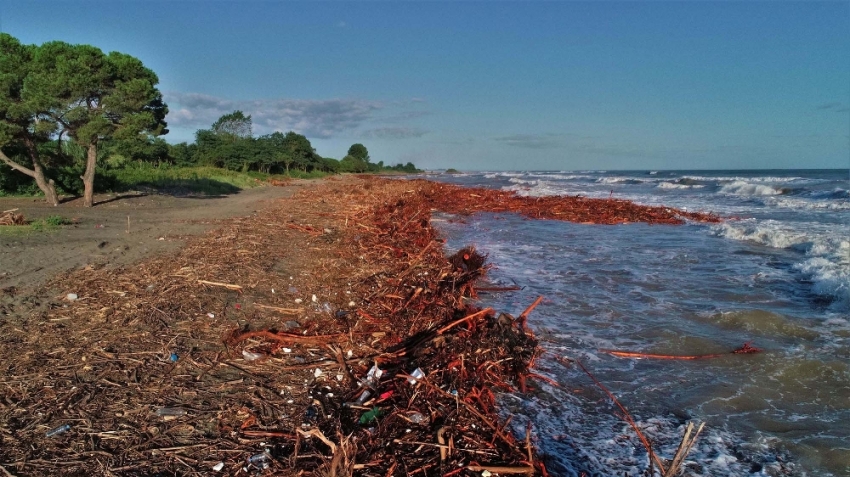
{"x":219,"y":284}
{"x":236,"y":337}
{"x":286,"y":311}
{"x":746,"y":349}
{"x":464,"y":319}
{"x":286,"y":435}
{"x":14,"y":165}
{"x":628,"y":418}
{"x":498,"y":289}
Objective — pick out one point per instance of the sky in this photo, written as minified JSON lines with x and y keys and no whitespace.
{"x":494,"y":85}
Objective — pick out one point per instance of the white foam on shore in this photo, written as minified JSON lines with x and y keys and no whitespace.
{"x":827,"y":251}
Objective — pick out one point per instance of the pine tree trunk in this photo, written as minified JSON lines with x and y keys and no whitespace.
{"x":88,"y":176}
{"x":46,"y":185}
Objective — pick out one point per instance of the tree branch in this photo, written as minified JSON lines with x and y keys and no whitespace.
{"x":14,"y":165}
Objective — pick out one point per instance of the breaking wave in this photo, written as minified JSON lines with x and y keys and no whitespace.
{"x":827,"y":262}
{"x":744,"y":188}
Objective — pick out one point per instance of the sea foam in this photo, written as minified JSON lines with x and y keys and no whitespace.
{"x":745,"y":188}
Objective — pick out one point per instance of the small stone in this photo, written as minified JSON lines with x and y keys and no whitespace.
{"x":317,"y":372}
{"x":298,"y":300}
{"x":218,"y":467}
{"x":352,"y":304}
{"x":315,"y":299}
{"x":71,"y":296}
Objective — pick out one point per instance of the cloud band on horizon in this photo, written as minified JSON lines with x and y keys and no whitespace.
{"x":313,"y":118}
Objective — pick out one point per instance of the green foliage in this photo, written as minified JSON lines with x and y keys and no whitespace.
{"x":94,"y":96}
{"x":204,"y":180}
{"x":182,"y":154}
{"x":452,"y":171}
{"x":359,"y":151}
{"x":274,"y":153}
{"x":14,"y":183}
{"x":235,"y":124}
{"x":351,"y":163}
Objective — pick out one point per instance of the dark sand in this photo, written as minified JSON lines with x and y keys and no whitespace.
{"x":99,"y":235}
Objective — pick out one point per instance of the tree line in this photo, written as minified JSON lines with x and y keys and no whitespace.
{"x":230,"y":144}
{"x":66,"y":110}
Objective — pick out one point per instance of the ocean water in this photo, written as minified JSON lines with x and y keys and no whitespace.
{"x":775,"y":272}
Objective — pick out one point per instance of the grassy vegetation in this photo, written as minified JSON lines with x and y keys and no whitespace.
{"x":198,"y":179}
{"x":42,"y":225}
{"x":205,"y":180}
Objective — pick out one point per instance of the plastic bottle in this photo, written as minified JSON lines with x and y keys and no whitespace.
{"x":363,"y":397}
{"x":416,"y":375}
{"x":170,"y":411}
{"x":58,"y":430}
{"x":417,"y":418}
{"x":260,"y":460}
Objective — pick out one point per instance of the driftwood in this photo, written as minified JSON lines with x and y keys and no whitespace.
{"x":745,"y":349}
{"x":223,"y":285}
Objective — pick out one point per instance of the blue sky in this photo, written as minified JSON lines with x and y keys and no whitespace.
{"x":495,"y":85}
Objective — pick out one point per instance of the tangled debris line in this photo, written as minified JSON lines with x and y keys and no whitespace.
{"x":327,"y":334}
{"x":467,"y":200}
{"x":9,"y":217}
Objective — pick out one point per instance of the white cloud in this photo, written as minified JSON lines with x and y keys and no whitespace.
{"x":313,"y":118}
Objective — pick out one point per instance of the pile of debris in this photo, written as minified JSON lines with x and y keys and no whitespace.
{"x":467,"y":200}
{"x":328,"y":334}
{"x":9,"y":217}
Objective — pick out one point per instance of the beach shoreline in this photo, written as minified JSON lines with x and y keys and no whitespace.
{"x":142,"y":360}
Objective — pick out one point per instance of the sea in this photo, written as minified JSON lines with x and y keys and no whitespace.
{"x":775,"y":273}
